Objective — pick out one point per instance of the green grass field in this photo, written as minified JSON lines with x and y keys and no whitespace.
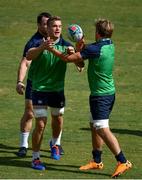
{"x":17,"y":24}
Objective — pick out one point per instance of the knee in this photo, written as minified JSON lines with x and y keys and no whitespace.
{"x":101,"y":132}
{"x":40,"y":125}
{"x":101,"y":127}
{"x":57,"y":119}
{"x":29,"y":114}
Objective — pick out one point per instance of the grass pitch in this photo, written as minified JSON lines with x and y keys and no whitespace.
{"x":18,"y":23}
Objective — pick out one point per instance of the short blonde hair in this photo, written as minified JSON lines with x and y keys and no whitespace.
{"x":52,"y":19}
{"x":104,"y":27}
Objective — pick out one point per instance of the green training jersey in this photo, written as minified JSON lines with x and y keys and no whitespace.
{"x":100,"y":67}
{"x":48,"y":71}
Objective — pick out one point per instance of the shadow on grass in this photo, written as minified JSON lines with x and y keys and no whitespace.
{"x":3,"y":146}
{"x":18,"y":162}
{"x":67,"y":168}
{"x":14,"y":150}
{"x":7,"y":149}
{"x":22,"y":162}
{"x":121,"y":131}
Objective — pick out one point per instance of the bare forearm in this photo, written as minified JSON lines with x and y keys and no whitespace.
{"x":22,"y":70}
{"x":21,"y":74}
{"x":59,"y":54}
{"x":33,"y":53}
{"x":66,"y":57}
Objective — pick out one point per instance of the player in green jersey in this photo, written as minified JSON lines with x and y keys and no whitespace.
{"x":48,"y":75}
{"x":100,"y":55}
{"x":26,"y":120}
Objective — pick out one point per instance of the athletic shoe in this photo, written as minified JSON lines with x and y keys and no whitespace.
{"x":59,"y":146}
{"x":22,"y":152}
{"x":121,"y":168}
{"x":55,"y":152}
{"x":36,"y":164}
{"x":61,"y":150}
{"x":92,"y":165}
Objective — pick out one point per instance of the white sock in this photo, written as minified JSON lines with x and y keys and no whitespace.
{"x":57,"y":141}
{"x":24,"y":139}
{"x":36,"y":155}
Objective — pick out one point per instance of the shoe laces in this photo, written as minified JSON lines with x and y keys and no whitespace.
{"x":56,"y":149}
{"x":36,"y":161}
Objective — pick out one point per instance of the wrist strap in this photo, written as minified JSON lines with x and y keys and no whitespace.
{"x":19,"y":82}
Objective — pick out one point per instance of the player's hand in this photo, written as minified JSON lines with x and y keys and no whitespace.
{"x":70,"y":50}
{"x":80,"y":66}
{"x":20,"y":88}
{"x":48,"y":43}
{"x":80,"y":44}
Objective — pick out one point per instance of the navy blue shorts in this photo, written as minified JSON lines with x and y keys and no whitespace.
{"x":28,"y":91}
{"x":52,"y":99}
{"x":101,"y":106}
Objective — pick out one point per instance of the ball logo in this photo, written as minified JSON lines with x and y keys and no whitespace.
{"x":73,"y":28}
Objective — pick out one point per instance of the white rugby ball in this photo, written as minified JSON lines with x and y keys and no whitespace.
{"x":75,"y":32}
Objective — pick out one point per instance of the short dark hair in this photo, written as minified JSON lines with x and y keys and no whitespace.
{"x":104,"y":27}
{"x":41,"y":15}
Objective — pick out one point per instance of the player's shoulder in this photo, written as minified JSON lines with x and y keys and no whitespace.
{"x":34,"y":41}
{"x":96,"y":45}
{"x":91,"y":46}
{"x":35,"y":38}
{"x":64,"y":42}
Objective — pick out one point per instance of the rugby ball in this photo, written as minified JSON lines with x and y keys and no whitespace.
{"x":75,"y":32}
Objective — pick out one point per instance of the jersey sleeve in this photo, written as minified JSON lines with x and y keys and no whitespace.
{"x":27,"y":47}
{"x":64,"y":42}
{"x":90,"y":51}
{"x":69,"y":44}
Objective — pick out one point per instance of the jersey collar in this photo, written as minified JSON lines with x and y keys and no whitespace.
{"x":57,"y":40}
{"x":104,"y":39}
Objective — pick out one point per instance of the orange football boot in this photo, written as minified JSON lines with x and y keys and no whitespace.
{"x":92,"y":165}
{"x":121,"y":168}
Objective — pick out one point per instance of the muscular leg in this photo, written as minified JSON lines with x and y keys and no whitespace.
{"x":37,"y":137}
{"x":97,"y":141}
{"x":26,"y":120}
{"x":25,"y":128}
{"x":26,"y":123}
{"x":110,"y":140}
{"x":56,"y":125}
{"x":97,"y":144}
{"x":112,"y":143}
{"x":38,"y":131}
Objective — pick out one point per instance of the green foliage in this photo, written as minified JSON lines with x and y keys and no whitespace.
{"x":18,"y":23}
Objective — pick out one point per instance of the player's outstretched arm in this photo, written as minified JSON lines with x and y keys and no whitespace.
{"x":76,"y":57}
{"x":34,"y":52}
